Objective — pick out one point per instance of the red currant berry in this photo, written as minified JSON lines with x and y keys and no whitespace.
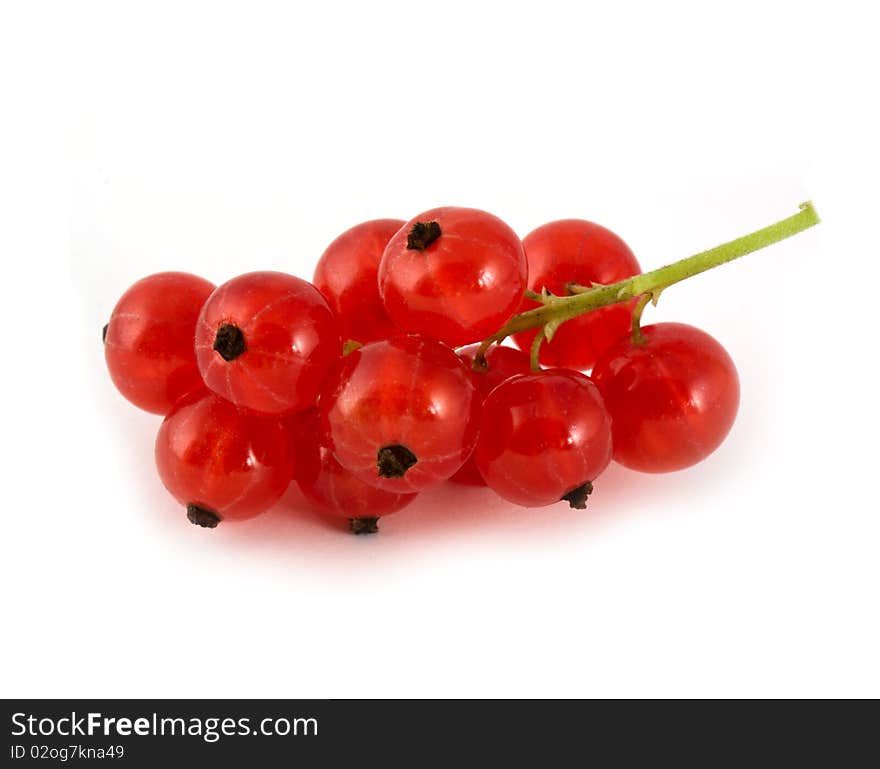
{"x":333,"y":489}
{"x":453,"y":274}
{"x":347,"y":276}
{"x":575,"y":251}
{"x":148,"y":343}
{"x":544,"y":437}
{"x":222,"y":462}
{"x":265,"y":340}
{"x":400,"y":414}
{"x":672,"y":399}
{"x":501,"y":364}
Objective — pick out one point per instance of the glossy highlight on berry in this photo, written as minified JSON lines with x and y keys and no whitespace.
{"x":544,"y":438}
{"x":672,"y":399}
{"x":400,"y":414}
{"x":148,"y":342}
{"x":222,"y":462}
{"x":347,"y":275}
{"x":265,"y":341}
{"x":453,"y":274}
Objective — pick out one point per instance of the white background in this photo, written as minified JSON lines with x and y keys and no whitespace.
{"x":220,"y":138}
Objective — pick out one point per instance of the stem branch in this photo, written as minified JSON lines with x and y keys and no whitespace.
{"x":534,"y":356}
{"x":584,"y":299}
{"x":636,"y":332}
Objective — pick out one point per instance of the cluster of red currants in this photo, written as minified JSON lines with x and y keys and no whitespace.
{"x":366,"y":386}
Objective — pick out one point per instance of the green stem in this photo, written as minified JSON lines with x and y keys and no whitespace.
{"x":637,"y":338}
{"x":555,"y":310}
{"x":534,"y":356}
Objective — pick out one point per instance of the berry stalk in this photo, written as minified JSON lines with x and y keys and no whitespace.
{"x":555,"y":310}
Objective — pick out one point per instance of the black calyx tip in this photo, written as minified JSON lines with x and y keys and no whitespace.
{"x":577,"y":498}
{"x":422,"y":235}
{"x":394,"y":461}
{"x":365,"y":525}
{"x":229,"y":342}
{"x":201,"y":516}
{"x":104,"y":333}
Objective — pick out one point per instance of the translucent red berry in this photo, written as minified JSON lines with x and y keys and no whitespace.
{"x":148,"y":342}
{"x":453,"y":274}
{"x":501,"y":364}
{"x":265,"y":340}
{"x":672,"y":399}
{"x":401,"y":414}
{"x":333,"y":489}
{"x":222,"y":462}
{"x":347,"y":276}
{"x":544,"y":437}
{"x":576,"y":251}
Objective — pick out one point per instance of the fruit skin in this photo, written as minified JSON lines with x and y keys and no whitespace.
{"x":333,"y":489}
{"x":503,"y":363}
{"x":290,"y":335}
{"x":672,"y":399}
{"x":460,"y":288}
{"x":406,"y":392}
{"x":148,"y":342}
{"x":543,"y":436}
{"x":577,"y":251}
{"x":347,"y":275}
{"x":227,"y":460}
